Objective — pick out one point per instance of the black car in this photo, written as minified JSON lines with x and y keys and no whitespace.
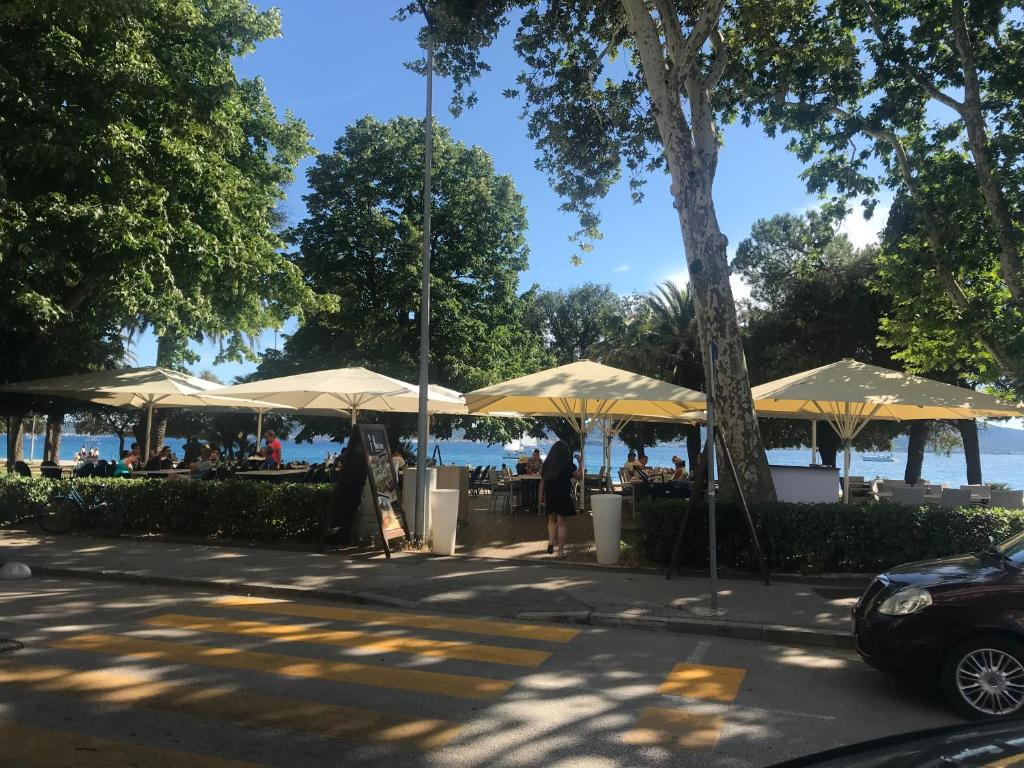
{"x":959,"y":620}
{"x":976,"y":746}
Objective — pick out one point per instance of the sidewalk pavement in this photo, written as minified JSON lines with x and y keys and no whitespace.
{"x":800,"y":613}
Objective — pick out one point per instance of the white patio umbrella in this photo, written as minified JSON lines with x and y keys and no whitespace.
{"x":848,"y":394}
{"x":586,"y":391}
{"x":348,"y":390}
{"x":143,"y":388}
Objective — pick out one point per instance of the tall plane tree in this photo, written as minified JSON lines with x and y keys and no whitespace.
{"x":922,"y":97}
{"x":640,"y":84}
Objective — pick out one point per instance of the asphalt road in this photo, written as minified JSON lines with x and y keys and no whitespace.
{"x":118,"y":675}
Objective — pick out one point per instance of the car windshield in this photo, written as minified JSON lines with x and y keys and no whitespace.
{"x":1013,"y":549}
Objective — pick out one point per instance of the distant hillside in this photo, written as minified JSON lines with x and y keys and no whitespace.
{"x":991,"y":438}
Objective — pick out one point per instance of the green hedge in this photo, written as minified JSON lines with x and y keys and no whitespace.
{"x":823,"y":538}
{"x":233,"y":509}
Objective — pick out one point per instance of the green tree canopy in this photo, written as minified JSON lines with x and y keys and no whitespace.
{"x":623,"y":87}
{"x":923,"y":98}
{"x":362,"y":240}
{"x":812,"y":303}
{"x":138,"y":179}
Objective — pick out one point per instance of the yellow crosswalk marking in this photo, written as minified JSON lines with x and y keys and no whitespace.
{"x":676,"y":729}
{"x":43,"y":748}
{"x":306,"y":633}
{"x":399,"y":619}
{"x":701,"y":681}
{"x":458,"y":686}
{"x":253,"y":710}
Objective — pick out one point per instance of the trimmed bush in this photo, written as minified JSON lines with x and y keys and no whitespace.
{"x":823,"y":538}
{"x":233,"y":509}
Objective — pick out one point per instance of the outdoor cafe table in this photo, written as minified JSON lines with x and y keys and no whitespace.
{"x":528,"y":489}
{"x":159,"y":472}
{"x":272,"y":475}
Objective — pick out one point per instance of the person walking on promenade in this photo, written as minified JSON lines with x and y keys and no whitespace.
{"x":557,"y":475}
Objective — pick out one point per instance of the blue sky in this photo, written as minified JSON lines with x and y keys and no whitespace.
{"x":338,"y":61}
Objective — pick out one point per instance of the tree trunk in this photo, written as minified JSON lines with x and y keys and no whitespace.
{"x":159,"y":432}
{"x":51,"y":445}
{"x":972,"y":450}
{"x":15,"y":441}
{"x":918,"y":433}
{"x":989,"y":179}
{"x":693,"y":446}
{"x":828,"y":444}
{"x":692,"y":156}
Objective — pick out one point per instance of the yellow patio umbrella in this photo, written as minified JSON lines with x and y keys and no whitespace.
{"x":143,"y":388}
{"x":848,"y":394}
{"x":585,"y":391}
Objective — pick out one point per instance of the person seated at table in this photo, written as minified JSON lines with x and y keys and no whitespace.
{"x":680,"y":468}
{"x":215,"y":456}
{"x":521,"y":465}
{"x":126,"y":464}
{"x":272,"y":458}
{"x":534,"y":463}
{"x":201,"y":467}
{"x":641,"y":471}
{"x":630,"y":466}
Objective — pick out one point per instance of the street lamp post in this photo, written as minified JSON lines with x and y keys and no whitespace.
{"x":424,"y":419}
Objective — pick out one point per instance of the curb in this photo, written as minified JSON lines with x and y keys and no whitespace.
{"x":229,"y":587}
{"x":739,"y":630}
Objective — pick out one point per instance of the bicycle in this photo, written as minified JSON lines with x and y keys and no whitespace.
{"x":63,"y":512}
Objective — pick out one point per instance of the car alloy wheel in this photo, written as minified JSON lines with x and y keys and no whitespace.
{"x":991,"y":681}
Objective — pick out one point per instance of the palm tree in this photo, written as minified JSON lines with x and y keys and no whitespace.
{"x":674,"y":333}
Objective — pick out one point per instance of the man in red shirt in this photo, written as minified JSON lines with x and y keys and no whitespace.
{"x":274,"y":449}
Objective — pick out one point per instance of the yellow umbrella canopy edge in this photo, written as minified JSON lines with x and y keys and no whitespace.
{"x":848,"y":394}
{"x":586,"y":391}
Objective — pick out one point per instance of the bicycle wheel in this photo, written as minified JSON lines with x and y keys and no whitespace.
{"x":59,"y":515}
{"x":110,"y":520}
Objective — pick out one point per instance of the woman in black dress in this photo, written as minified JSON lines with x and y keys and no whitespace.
{"x":557,"y":475}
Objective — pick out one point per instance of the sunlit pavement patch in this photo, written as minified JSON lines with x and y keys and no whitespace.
{"x":701,"y":681}
{"x":675,"y":729}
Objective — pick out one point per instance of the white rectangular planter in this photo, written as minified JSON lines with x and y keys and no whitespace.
{"x":607,"y":510}
{"x":444,"y":520}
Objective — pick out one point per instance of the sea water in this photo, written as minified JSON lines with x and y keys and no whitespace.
{"x":1003,"y":468}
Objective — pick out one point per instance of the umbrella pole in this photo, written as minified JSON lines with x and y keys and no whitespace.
{"x":259,"y":428}
{"x":149,"y":429}
{"x":352,"y":414}
{"x":814,"y":442}
{"x":846,"y":471}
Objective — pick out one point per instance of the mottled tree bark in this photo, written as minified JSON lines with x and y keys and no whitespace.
{"x":919,"y":433}
{"x":693,"y":446}
{"x":972,"y":450}
{"x":691,"y":150}
{"x":51,"y":443}
{"x":15,"y":441}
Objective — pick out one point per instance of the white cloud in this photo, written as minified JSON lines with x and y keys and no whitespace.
{"x":622,"y":268}
{"x":740,"y":288}
{"x":679,"y":279}
{"x":863,"y":231}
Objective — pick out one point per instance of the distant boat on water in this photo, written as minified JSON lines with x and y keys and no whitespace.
{"x":517,"y":447}
{"x":880,"y":459}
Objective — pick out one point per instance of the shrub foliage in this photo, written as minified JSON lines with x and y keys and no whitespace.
{"x":823,"y":538}
{"x":233,"y":509}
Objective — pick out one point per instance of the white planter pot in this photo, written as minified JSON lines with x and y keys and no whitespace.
{"x":444,"y":519}
{"x":607,"y":510}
